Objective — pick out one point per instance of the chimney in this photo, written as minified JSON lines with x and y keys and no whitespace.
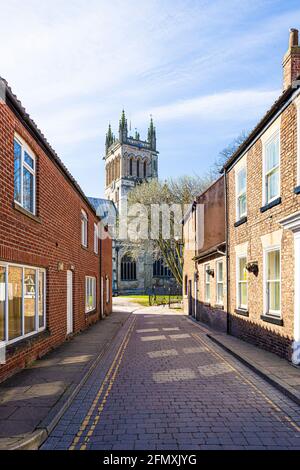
{"x":291,"y":60}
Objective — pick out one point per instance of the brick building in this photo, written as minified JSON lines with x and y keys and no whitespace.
{"x":204,"y":273}
{"x":263,"y":223}
{"x":55,"y":273}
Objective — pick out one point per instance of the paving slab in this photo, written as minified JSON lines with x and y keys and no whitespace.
{"x":277,"y":371}
{"x":32,"y":401}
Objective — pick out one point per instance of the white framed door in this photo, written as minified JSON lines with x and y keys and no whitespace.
{"x":69,"y":302}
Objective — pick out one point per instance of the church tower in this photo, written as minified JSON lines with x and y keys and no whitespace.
{"x":128,"y":160}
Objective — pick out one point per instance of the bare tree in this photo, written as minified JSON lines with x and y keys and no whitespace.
{"x":228,"y":151}
{"x":175,"y":194}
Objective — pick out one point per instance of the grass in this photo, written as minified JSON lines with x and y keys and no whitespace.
{"x":144,"y":299}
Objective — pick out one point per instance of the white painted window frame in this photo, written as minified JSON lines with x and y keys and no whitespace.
{"x":298,"y":141}
{"x":107,"y":290}
{"x":96,"y":239}
{"x":267,"y":312}
{"x":32,"y":171}
{"x":90,"y":289}
{"x":239,"y":304}
{"x":84,"y":229}
{"x":38,"y":329}
{"x":218,"y":282}
{"x":207,"y":282}
{"x":275,"y":134}
{"x":238,"y":195}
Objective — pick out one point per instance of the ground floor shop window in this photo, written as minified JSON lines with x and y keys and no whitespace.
{"x":22,"y":301}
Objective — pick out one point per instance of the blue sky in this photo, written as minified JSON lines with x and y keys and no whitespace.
{"x":204,"y":69}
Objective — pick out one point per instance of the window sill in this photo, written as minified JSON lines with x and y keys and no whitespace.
{"x":91,"y":312}
{"x":274,"y":203}
{"x":25,"y":343}
{"x":207,"y":304}
{"x":242,"y":221}
{"x":242,"y":312}
{"x":273,"y":320}
{"x":297,"y":190}
{"x":219,"y":306}
{"x":23,"y":211}
{"x":84,"y":247}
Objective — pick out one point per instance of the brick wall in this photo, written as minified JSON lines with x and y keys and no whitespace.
{"x":53,"y":236}
{"x":272,"y":337}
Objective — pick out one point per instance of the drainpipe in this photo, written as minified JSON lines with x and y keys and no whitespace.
{"x":227,"y":256}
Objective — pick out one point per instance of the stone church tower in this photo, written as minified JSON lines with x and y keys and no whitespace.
{"x":129,"y":160}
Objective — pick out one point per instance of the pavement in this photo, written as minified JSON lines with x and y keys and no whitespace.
{"x":32,"y":401}
{"x":149,"y":378}
{"x":164,"y":384}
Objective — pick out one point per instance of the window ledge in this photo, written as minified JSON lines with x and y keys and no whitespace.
{"x":91,"y":312}
{"x":297,"y":190}
{"x":241,"y":311}
{"x":242,"y":221}
{"x":273,"y":320}
{"x":274,"y":203}
{"x":219,"y":306}
{"x":25,"y":343}
{"x":84,"y":247}
{"x":23,"y":211}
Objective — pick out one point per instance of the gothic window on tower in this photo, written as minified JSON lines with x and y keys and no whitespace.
{"x":160,"y":270}
{"x":128,"y":268}
{"x":130,"y":167}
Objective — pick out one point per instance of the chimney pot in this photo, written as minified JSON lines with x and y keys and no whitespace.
{"x":294,"y":37}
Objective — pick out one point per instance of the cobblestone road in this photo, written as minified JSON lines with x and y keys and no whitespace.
{"x":164,"y":385}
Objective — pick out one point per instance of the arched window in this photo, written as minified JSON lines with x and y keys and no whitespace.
{"x":160,"y":270}
{"x":138,"y":168}
{"x":145,"y":169}
{"x":128,"y":269}
{"x":130,"y":167}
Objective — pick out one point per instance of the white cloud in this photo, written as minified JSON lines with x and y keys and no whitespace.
{"x":224,"y":106}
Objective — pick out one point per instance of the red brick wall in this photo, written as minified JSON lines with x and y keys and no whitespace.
{"x":274,"y":338}
{"x":53,"y":236}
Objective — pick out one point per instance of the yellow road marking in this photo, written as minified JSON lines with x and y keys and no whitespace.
{"x":87,"y":419}
{"x":247,"y":381}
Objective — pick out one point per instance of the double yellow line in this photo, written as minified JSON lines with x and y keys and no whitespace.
{"x":273,"y":405}
{"x":88,"y":426}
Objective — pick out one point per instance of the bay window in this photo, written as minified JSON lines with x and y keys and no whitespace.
{"x":272,"y":282}
{"x":272,"y":168}
{"x":22,"y":301}
{"x":242,"y":283}
{"x":24,"y":176}
{"x":241,"y":196}
{"x":90,"y":294}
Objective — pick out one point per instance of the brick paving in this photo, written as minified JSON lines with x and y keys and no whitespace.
{"x":173,"y":388}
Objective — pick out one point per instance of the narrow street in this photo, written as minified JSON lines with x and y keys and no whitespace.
{"x":164,"y":385}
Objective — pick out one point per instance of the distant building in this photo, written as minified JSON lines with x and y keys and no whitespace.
{"x":128,"y":162}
